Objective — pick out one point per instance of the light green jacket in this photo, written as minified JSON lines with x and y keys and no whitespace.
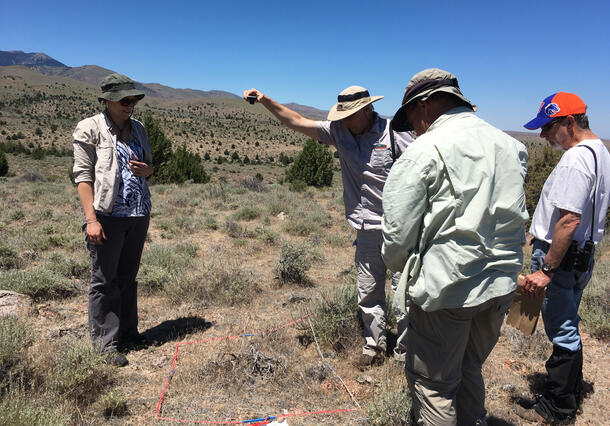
{"x":454,"y":214}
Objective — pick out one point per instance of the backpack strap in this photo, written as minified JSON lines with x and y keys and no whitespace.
{"x":594,"y":191}
{"x":392,"y":143}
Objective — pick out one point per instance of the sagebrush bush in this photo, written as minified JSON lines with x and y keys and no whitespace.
{"x":113,"y":403}
{"x":229,"y":283}
{"x":247,"y":213}
{"x":9,"y":258}
{"x":20,"y":409}
{"x":162,"y":263}
{"x":236,"y":230}
{"x":38,"y":283}
{"x":73,"y":370}
{"x":295,"y":260}
{"x":15,"y":337}
{"x":69,"y":267}
{"x":253,"y":183}
{"x":313,"y":165}
{"x":267,"y":235}
{"x":335,"y":316}
{"x":390,"y":408}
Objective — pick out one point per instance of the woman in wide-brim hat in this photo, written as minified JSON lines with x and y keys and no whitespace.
{"x":112,"y":160}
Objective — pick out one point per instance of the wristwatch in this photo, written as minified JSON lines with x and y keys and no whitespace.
{"x":546,"y":268}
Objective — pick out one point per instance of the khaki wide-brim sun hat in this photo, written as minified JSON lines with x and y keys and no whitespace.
{"x":421,"y":86}
{"x":350,"y":101}
{"x":118,"y":86}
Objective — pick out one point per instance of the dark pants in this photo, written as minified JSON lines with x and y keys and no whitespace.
{"x":113,"y":306}
{"x":563,"y":388}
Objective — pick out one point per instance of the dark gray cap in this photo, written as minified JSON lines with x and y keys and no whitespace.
{"x":118,"y":86}
{"x":421,"y":86}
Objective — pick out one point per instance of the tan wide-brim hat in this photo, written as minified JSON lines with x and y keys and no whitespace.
{"x":350,"y":101}
{"x":421,"y":86}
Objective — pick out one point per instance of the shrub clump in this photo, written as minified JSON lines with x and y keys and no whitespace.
{"x":313,"y":165}
{"x":15,"y":338}
{"x":390,"y":408}
{"x":113,"y":403}
{"x":295,"y":260}
{"x":75,"y":371}
{"x":229,"y":284}
{"x":19,"y":409}
{"x":335,"y":317}
{"x":253,"y":183}
{"x":164,"y":264}
{"x":8,"y":257}
{"x":38,"y":283}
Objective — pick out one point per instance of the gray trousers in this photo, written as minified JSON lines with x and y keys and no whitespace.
{"x":113,"y":306}
{"x":371,"y":292}
{"x":445,"y":353}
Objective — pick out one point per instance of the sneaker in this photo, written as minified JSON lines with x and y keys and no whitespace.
{"x":365,"y":360}
{"x":116,"y":358}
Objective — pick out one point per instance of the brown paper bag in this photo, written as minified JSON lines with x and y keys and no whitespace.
{"x":524,"y":312}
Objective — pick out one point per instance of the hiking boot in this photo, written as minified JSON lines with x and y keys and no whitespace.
{"x":531,"y":415}
{"x":365,"y":360}
{"x":133,"y":341}
{"x":116,"y":358}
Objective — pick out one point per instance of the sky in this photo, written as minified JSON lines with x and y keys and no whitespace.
{"x":507,"y":55}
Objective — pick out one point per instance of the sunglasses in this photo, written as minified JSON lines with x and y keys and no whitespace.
{"x":548,"y":126}
{"x":128,"y":102}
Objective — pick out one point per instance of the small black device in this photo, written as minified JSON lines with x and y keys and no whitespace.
{"x":578,"y":259}
{"x":251,"y":99}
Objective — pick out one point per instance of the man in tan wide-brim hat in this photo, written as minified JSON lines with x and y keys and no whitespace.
{"x":367,"y":149}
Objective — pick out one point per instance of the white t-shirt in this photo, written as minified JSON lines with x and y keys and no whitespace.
{"x":570,"y":186}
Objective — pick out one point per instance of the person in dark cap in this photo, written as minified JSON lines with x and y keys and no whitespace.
{"x":367,"y":148}
{"x":453,"y":223}
{"x":566,"y":226}
{"x":112,"y":160}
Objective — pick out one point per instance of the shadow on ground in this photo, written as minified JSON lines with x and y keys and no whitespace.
{"x":536,"y":384}
{"x":174,"y":330}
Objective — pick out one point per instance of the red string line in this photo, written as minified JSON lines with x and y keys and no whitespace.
{"x":171,"y":374}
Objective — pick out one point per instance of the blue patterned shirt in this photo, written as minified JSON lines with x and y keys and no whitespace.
{"x":133,"y":198}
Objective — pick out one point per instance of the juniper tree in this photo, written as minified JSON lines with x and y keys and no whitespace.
{"x":313,"y":165}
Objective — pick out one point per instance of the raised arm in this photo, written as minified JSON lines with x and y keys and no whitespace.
{"x":288,"y":117}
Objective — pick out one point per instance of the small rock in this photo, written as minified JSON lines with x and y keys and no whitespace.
{"x":160,"y":362}
{"x":12,"y":303}
{"x":365,"y":380}
{"x":281,"y":216}
{"x":509,"y":387}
